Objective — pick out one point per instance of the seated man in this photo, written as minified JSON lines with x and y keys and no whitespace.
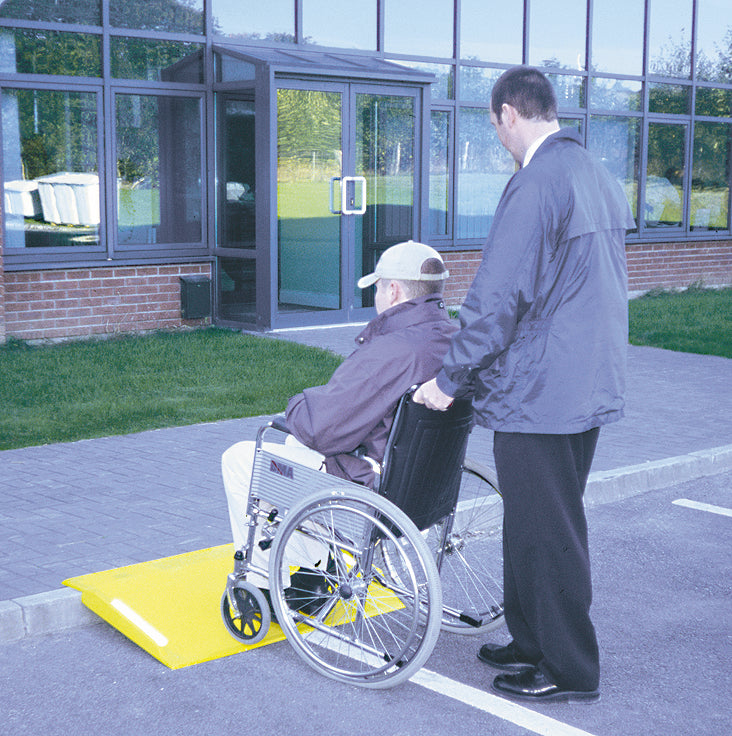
{"x":402,"y":346}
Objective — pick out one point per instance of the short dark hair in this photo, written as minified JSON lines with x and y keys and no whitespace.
{"x":415,"y":288}
{"x":528,"y":91}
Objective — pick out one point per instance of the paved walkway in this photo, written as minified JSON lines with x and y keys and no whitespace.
{"x":75,"y":508}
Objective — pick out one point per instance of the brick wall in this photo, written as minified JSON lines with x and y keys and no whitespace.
{"x":94,"y":301}
{"x":673,"y":265}
{"x":462,"y":268}
{"x":650,"y":266}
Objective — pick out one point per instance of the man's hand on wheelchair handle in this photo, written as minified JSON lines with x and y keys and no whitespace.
{"x":432,"y":396}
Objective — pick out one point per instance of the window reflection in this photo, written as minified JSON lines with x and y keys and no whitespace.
{"x":50,"y":52}
{"x":352,"y":25}
{"x":439,"y":207}
{"x":616,"y":142}
{"x":711,"y":176}
{"x":558,"y":39}
{"x":419,"y":27}
{"x":238,"y":202}
{"x":615,"y":94}
{"x":664,"y":200}
{"x":253,"y":20}
{"x":50,"y":168}
{"x":669,"y":44}
{"x":491,"y":30}
{"x":714,"y":102}
{"x":169,"y":61}
{"x":617,"y":36}
{"x":669,"y":98}
{"x":476,"y":83}
{"x":85,"y":12}
{"x":714,"y":40}
{"x":158,"y":169}
{"x":183,"y":16}
{"x":484,"y":168}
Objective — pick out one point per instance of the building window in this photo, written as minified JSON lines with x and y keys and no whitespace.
{"x":340,"y":24}
{"x":616,"y":142}
{"x":159,"y":169}
{"x":440,"y":160}
{"x":50,"y":52}
{"x":253,"y":20}
{"x":711,"y":176}
{"x":669,"y":43}
{"x":419,"y":27}
{"x":491,"y":31}
{"x":160,"y":61}
{"x":558,"y":39}
{"x":664,"y":199}
{"x":84,"y":12}
{"x":617,"y":36}
{"x":484,"y":168}
{"x":173,"y":16}
{"x":50,"y":168}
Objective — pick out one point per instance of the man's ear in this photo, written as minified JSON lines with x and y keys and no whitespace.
{"x":509,"y":114}
{"x":396,"y":293}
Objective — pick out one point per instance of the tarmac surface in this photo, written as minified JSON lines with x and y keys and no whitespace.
{"x":75,"y":508}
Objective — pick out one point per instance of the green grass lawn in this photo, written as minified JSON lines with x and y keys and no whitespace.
{"x":94,"y":388}
{"x":76,"y":390}
{"x":693,"y":321}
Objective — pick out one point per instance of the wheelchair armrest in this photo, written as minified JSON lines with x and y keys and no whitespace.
{"x":280,"y":423}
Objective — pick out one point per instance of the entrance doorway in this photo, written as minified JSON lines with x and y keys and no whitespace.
{"x":346,"y":190}
{"x":317,"y":174}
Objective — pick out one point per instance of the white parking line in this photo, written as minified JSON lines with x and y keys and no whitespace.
{"x":703,"y":507}
{"x":499,"y":707}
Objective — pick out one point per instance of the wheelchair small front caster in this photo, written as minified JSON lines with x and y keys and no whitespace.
{"x":248,"y":616}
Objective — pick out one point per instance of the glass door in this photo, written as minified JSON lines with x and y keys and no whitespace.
{"x":346,"y":190}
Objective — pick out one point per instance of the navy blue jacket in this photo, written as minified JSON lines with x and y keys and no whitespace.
{"x":544,"y":325}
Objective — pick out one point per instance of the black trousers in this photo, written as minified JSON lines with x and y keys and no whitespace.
{"x":547,"y":582}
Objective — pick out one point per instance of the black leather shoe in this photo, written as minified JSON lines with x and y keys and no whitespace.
{"x":504,"y":658}
{"x":533,"y":685}
{"x":309,"y":591}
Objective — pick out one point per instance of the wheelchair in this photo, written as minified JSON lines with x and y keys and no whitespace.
{"x":395,"y":565}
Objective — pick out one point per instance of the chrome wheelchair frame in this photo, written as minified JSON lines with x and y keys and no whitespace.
{"x":369,"y":611}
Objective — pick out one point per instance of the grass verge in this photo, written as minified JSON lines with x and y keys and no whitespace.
{"x":696,"y":320}
{"x":76,"y":390}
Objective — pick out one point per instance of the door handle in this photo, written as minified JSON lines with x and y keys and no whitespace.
{"x":353,"y":209}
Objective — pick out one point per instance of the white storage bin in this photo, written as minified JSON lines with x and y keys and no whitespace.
{"x":21,"y":198}
{"x":70,"y":198}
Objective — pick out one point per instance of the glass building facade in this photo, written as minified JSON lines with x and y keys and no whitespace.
{"x":287,"y":143}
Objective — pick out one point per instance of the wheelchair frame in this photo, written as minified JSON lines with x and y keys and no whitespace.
{"x":376,"y":619}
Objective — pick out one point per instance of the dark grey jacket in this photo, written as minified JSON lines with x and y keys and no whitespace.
{"x":544,"y":325}
{"x":401,"y":347}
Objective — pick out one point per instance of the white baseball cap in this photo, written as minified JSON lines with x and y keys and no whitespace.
{"x":403,"y":262}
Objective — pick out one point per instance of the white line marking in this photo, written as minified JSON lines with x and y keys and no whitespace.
{"x":703,"y":507}
{"x":505,"y":709}
{"x":145,"y":626}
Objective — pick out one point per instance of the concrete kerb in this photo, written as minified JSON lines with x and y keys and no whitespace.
{"x":57,"y":610}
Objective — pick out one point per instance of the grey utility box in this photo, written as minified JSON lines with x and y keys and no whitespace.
{"x":195,"y":297}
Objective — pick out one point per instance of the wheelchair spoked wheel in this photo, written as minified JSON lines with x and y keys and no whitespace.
{"x":471,"y":562}
{"x":250,"y":618}
{"x":365,"y":624}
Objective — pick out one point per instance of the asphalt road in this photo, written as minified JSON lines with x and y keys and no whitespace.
{"x":662,"y":609}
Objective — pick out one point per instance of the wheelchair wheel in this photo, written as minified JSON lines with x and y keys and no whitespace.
{"x":471,"y":560}
{"x":248,"y":620}
{"x":361,"y":622}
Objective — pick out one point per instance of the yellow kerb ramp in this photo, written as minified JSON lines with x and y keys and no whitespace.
{"x":172,"y":607}
{"x":169,"y":607}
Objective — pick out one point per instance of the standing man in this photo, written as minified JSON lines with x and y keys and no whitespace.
{"x":542,"y":347}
